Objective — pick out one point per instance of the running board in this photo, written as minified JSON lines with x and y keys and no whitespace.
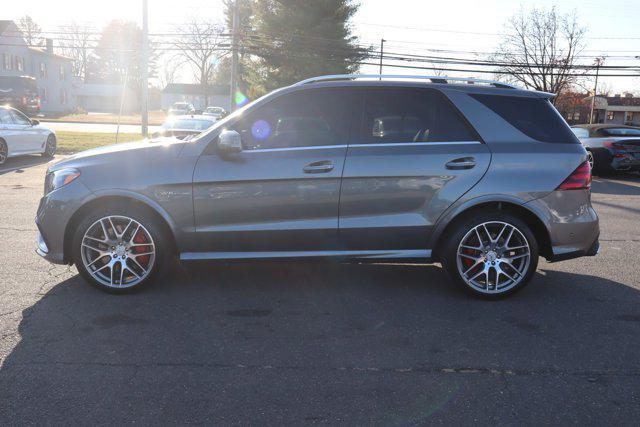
{"x":412,"y":254}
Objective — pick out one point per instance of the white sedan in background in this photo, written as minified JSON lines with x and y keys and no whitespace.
{"x":20,"y":135}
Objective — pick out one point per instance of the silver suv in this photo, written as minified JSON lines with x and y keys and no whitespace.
{"x":477,"y":175}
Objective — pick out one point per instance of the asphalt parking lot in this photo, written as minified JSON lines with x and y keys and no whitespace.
{"x":291,"y":343}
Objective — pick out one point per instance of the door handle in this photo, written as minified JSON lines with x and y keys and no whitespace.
{"x":322,"y":166}
{"x":461,"y":163}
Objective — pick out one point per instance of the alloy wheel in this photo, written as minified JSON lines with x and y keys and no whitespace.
{"x":493,"y":257}
{"x":118,"y":251}
{"x":3,"y":152}
{"x":590,"y":159}
{"x":50,"y":147}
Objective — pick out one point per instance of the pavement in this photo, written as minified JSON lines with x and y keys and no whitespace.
{"x":319,"y":343}
{"x":57,"y":126}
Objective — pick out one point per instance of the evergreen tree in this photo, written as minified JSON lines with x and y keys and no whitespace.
{"x":290,"y":40}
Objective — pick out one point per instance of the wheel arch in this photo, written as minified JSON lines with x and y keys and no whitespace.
{"x":509,"y":204}
{"x":164,"y":219}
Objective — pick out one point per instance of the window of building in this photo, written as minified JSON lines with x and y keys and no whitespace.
{"x":61,"y":73}
{"x":43,"y":96}
{"x":308,"y":118}
{"x":43,"y":70}
{"x":20,"y":63}
{"x":610,"y":115}
{"x":395,"y":115}
{"x":7,"y":61}
{"x":63,"y":96}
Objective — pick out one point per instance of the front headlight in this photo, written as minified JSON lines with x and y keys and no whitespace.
{"x":59,"y":178}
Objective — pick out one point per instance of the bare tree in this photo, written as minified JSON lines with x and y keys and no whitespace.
{"x":30,"y":30}
{"x":170,"y":68}
{"x":200,"y":44}
{"x":540,"y":48}
{"x":77,"y":45}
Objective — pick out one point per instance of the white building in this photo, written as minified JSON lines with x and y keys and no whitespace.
{"x":53,"y":72}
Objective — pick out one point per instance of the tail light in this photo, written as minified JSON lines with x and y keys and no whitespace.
{"x":580,"y":179}
{"x":24,"y":100}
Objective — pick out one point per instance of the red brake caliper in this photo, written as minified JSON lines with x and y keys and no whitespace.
{"x":466,"y":261}
{"x":143,"y":260}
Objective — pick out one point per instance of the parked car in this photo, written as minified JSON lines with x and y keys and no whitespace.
{"x":181,"y":108}
{"x":216,"y":112}
{"x":20,"y":135}
{"x":21,"y":93}
{"x":185,"y":127}
{"x":483,"y":178}
{"x":610,"y":147}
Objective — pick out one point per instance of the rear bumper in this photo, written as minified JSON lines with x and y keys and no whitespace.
{"x":572,"y":224}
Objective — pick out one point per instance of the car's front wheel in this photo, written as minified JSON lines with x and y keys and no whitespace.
{"x":50,"y":146}
{"x":491,"y":254}
{"x":119,"y":249}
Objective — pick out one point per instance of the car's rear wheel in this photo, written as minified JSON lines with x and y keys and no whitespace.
{"x":492,"y":254}
{"x":119,"y":249}
{"x":4,"y":151}
{"x":50,"y":146}
{"x":591,"y":160}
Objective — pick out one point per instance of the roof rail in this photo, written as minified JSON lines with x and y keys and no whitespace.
{"x":433,"y":79}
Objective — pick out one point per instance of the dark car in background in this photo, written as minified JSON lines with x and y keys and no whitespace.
{"x":185,"y":127}
{"x":21,"y":93}
{"x":181,"y":108}
{"x":610,"y":147}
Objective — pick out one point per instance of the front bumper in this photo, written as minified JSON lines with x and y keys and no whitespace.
{"x":54,"y":213}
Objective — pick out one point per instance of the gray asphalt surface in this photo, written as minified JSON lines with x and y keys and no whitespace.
{"x":294,"y":343}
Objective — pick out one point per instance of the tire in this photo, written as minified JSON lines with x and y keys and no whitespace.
{"x":50,"y":146}
{"x":144,"y":253}
{"x":4,"y":151}
{"x":601,"y":162}
{"x":458,"y":258}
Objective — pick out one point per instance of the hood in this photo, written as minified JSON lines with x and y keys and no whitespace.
{"x":145,"y":149}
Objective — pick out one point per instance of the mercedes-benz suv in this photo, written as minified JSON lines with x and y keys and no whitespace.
{"x":477,"y":175}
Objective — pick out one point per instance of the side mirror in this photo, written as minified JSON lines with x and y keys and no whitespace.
{"x":35,"y":122}
{"x":229,"y":141}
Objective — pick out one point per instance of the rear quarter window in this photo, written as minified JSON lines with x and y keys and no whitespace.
{"x":535,"y":117}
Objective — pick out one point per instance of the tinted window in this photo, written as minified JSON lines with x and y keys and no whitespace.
{"x":535,"y":117}
{"x":19,"y":118}
{"x":308,"y":118}
{"x":411,"y":115}
{"x":620,"y":132}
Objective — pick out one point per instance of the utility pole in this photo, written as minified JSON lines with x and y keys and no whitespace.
{"x":595,"y":88}
{"x":145,"y":70}
{"x":381,"y":54}
{"x":234,"y":57}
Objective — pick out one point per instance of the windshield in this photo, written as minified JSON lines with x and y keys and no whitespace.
{"x":621,"y":131}
{"x":194,"y":124}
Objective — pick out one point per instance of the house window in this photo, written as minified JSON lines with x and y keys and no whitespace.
{"x":63,"y":96}
{"x":43,"y":97}
{"x":43,"y":70}
{"x":20,"y":63}
{"x":7,"y":61}
{"x":628,"y":116}
{"x":610,"y":115}
{"x":62,"y":75}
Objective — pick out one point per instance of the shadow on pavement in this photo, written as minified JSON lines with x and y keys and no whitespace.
{"x":620,"y":184}
{"x":331,"y":343}
{"x":18,"y":164}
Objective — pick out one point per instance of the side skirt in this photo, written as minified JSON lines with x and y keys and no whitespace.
{"x":420,"y":255}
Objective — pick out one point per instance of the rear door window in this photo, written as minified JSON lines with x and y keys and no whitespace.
{"x":399,"y":115}
{"x":621,"y":131}
{"x":5,"y":117}
{"x":535,"y":117}
{"x":580,"y":132}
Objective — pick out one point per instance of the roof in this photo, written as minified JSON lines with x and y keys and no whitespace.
{"x":623,"y":101}
{"x":44,"y":52}
{"x":196,"y":89}
{"x":4,"y":24}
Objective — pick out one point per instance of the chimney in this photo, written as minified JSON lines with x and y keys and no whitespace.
{"x":628,"y":95}
{"x":617,"y":95}
{"x":49,"y":44}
